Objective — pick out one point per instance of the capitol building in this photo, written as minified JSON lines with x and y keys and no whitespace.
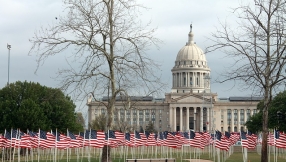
{"x":190,"y":105}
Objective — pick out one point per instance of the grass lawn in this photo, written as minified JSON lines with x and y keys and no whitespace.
{"x":121,"y":156}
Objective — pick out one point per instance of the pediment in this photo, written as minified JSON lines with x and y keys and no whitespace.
{"x":190,"y":98}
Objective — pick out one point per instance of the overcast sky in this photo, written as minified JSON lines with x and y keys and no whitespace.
{"x":20,"y":18}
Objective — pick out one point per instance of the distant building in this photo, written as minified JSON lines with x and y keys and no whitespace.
{"x":189,"y":105}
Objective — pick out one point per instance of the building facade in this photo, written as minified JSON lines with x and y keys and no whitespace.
{"x":189,"y":106}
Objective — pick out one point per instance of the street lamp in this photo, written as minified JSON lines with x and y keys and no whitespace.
{"x":9,"y":48}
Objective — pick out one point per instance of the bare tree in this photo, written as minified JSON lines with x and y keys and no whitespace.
{"x":107,"y":42}
{"x":258,"y":45}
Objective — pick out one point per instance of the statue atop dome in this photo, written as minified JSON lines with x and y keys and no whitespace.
{"x":191,"y":27}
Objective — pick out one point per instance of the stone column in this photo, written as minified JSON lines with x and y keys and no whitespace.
{"x":170,"y":116}
{"x":124,"y":115}
{"x":181,"y":118}
{"x":194,"y":79}
{"x":245,"y":117}
{"x":195,"y":119}
{"x":187,"y":119}
{"x":201,"y":119}
{"x":232,"y":121}
{"x":119,"y":115}
{"x":208,"y":119}
{"x":131,"y":116}
{"x":187,"y":82}
{"x":175,"y":120}
{"x":144,"y":121}
{"x":180,"y":79}
{"x":138,"y":123}
{"x":238,"y":120}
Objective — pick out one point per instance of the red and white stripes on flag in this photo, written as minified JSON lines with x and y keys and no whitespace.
{"x":98,"y":139}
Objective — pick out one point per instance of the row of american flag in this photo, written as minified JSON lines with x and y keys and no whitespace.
{"x":93,"y":138}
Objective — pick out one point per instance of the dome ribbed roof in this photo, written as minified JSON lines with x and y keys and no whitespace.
{"x":191,"y":51}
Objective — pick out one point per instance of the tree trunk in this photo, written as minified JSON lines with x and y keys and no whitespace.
{"x":106,"y":154}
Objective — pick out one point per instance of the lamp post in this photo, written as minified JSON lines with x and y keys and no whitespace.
{"x":9,"y":48}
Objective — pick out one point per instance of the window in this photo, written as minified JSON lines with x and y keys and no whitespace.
{"x":147,"y":112}
{"x":235,"y":115}
{"x":248,"y":114}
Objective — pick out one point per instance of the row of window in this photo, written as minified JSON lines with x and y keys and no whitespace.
{"x":235,"y":111}
{"x":235,"y":129}
{"x":134,"y":111}
{"x":191,"y":62}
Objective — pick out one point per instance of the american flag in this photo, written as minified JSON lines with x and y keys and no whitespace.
{"x":222,"y":142}
{"x":127,"y":139}
{"x":195,"y":139}
{"x":57,"y":135}
{"x":186,"y":139}
{"x":244,"y":141}
{"x":97,"y":138}
{"x":74,"y":143}
{"x":110,"y":139}
{"x":160,"y":139}
{"x":151,"y":141}
{"x":135,"y":139}
{"x":206,"y":139}
{"x":25,"y":141}
{"x":251,"y":139}
{"x":3,"y":141}
{"x":50,"y":142}
{"x":171,"y":140}
{"x":64,"y":142}
{"x":280,"y":139}
{"x":147,"y":134}
{"x":33,"y":139}
{"x":270,"y":139}
{"x":120,"y":137}
{"x":71,"y":135}
{"x":143,"y":140}
{"x":234,"y":137}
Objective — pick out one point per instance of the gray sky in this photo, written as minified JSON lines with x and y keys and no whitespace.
{"x":19,"y":19}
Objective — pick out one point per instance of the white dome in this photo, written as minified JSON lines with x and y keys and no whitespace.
{"x":191,"y":52}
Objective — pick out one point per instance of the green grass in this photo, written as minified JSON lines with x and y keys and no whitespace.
{"x":119,"y":156}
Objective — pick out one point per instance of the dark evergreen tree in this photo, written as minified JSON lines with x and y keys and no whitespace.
{"x":29,"y":105}
{"x":276,"y":111}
